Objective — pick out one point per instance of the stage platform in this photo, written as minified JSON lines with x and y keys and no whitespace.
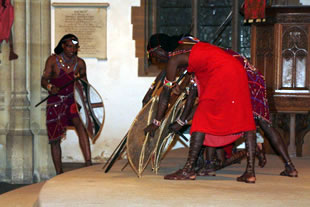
{"x":91,"y":187}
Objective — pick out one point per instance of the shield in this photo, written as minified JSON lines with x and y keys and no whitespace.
{"x":166,"y":137}
{"x":141,"y":147}
{"x":90,"y":108}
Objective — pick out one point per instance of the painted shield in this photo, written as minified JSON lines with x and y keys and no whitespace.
{"x":166,"y":137}
{"x":90,"y":107}
{"x":141,"y":147}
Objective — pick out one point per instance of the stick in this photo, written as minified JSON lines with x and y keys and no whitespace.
{"x":115,"y":155}
{"x":62,"y":87}
{"x":181,"y":135}
{"x":125,"y":166}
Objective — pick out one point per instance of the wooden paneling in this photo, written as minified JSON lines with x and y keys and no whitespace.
{"x":286,"y":29}
{"x":138,"y":22}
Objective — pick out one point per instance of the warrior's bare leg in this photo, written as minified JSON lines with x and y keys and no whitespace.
{"x":220,"y":153}
{"x":56,"y":156}
{"x":249,"y":175}
{"x":12,"y":55}
{"x":83,"y":140}
{"x":261,"y":155}
{"x":277,"y":142}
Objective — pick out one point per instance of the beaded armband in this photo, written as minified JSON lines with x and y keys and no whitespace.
{"x":180,"y":122}
{"x":193,"y":81}
{"x":156,"y":122}
{"x":168,"y":83}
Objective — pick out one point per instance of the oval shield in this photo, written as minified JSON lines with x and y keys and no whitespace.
{"x":140,"y":147}
{"x":90,"y":107}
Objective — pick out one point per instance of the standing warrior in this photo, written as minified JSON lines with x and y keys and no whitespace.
{"x":62,"y":68}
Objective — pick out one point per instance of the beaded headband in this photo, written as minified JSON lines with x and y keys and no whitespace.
{"x":148,"y":52}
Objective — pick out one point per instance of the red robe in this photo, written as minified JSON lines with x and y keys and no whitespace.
{"x":60,"y":109}
{"x":224,"y":107}
{"x":6,"y":20}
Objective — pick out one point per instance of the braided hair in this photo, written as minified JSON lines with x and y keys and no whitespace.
{"x":58,"y":49}
{"x":166,"y":42}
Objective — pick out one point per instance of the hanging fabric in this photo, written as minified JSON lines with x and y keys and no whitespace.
{"x":6,"y":21}
{"x":254,"y":11}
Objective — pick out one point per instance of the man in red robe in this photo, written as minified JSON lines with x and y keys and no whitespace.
{"x":224,"y":110}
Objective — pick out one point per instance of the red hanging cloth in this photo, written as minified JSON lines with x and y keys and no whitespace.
{"x":254,"y":10}
{"x":6,"y":19}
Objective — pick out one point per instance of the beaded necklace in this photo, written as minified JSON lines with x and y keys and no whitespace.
{"x":68,"y":63}
{"x":61,"y":65}
{"x":178,"y":52}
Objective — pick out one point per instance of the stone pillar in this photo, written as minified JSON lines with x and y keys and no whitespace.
{"x":19,"y":137}
{"x":5,"y":90}
{"x":39,"y":50}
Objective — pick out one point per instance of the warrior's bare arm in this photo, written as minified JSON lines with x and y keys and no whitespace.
{"x":170,"y":76}
{"x":173,"y":64}
{"x":149,"y":93}
{"x":189,"y":109}
{"x":48,"y":74}
{"x":82,"y":70}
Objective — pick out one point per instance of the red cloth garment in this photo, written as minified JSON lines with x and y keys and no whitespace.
{"x":254,"y":10}
{"x":220,"y":140}
{"x":6,"y":20}
{"x":224,"y":106}
{"x":228,"y":150}
{"x":60,"y":109}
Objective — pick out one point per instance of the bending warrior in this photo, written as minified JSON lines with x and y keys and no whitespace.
{"x":62,"y":68}
{"x":224,"y":110}
{"x":260,"y":109}
{"x":158,"y":49}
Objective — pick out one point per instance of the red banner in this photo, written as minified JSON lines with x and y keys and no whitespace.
{"x":6,"y":19}
{"x":254,"y":10}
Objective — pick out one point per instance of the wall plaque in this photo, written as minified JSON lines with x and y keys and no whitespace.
{"x":88,"y":21}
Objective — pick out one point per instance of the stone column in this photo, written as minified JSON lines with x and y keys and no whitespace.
{"x":19,"y":137}
{"x":5,"y":90}
{"x":39,"y":51}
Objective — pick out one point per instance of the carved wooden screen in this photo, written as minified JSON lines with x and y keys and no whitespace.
{"x":294,"y":73}
{"x":263,"y":52}
{"x":280,"y":49}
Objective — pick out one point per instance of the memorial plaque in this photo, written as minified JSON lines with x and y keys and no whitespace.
{"x":88,"y":21}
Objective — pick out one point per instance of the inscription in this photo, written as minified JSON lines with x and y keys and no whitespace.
{"x":88,"y":24}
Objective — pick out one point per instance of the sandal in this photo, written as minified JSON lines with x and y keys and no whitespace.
{"x":247,"y":178}
{"x":209,"y":168}
{"x":289,"y":170}
{"x":181,"y":174}
{"x":261,"y":156}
